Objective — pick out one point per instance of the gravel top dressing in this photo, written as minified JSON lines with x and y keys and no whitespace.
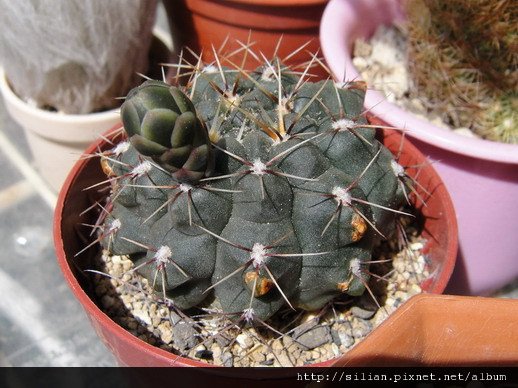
{"x":290,"y":338}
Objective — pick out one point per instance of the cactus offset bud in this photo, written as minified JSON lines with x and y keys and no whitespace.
{"x":281,"y":207}
{"x":161,"y":122}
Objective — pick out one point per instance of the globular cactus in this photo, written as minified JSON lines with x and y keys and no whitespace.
{"x":250,"y":190}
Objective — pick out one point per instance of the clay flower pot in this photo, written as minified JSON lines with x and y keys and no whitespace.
{"x":439,"y":230}
{"x":204,"y":24}
{"x":481,"y":175}
{"x":443,"y":330}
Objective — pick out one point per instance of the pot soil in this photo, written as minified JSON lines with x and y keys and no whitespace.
{"x":437,"y":244}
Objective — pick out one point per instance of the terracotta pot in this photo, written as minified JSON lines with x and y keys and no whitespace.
{"x":57,"y":140}
{"x":203,"y":24}
{"x":443,"y":330}
{"x":481,"y":175}
{"x":439,"y":229}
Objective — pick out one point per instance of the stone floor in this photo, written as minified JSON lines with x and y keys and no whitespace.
{"x":41,"y":324}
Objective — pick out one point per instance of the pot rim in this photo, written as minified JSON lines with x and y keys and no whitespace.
{"x":170,"y":358}
{"x":42,"y":114}
{"x":339,"y":27}
{"x":63,"y":127}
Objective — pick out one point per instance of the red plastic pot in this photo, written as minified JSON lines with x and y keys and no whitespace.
{"x":204,"y":24}
{"x":440,"y":230}
{"x":443,"y":330}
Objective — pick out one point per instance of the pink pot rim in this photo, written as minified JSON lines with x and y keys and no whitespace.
{"x":339,"y":27}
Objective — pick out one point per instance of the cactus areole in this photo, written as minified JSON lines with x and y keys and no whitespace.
{"x":250,"y":191}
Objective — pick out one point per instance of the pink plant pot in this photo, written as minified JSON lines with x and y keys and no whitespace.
{"x":481,"y":176}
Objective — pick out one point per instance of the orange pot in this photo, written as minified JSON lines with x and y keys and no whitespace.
{"x":204,"y":24}
{"x":439,"y":224}
{"x":442,"y":330}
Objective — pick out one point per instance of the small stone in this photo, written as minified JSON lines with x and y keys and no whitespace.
{"x":204,"y":354}
{"x":323,"y":352}
{"x":244,"y":362}
{"x":268,"y":362}
{"x":417,"y":104}
{"x":315,"y":355}
{"x":223,"y":340}
{"x":362,"y":48}
{"x":361,"y":313}
{"x":436,"y":120}
{"x":360,"y":63}
{"x":244,"y":341}
{"x":345,"y":339}
{"x":415,"y":289}
{"x":315,"y":337}
{"x":336,"y":337}
{"x":361,"y":328}
{"x":184,"y":335}
{"x":284,"y":360}
{"x":126,"y":278}
{"x":142,"y":315}
{"x":287,"y":341}
{"x":216,"y":350}
{"x":309,"y":318}
{"x":277,"y":345}
{"x":294,"y":352}
{"x":144,"y":337}
{"x":227,"y":359}
{"x":258,"y":357}
{"x":305,"y":327}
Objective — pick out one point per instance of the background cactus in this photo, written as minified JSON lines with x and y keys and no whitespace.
{"x":463,"y":59}
{"x":251,"y":191}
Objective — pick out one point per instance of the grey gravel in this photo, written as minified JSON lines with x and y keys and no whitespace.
{"x":359,"y":312}
{"x":311,"y":336}
{"x":304,"y":328}
{"x":184,"y":336}
{"x":315,"y":337}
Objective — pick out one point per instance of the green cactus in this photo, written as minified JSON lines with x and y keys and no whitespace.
{"x":254,"y":190}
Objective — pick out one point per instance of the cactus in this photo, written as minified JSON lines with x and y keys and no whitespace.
{"x":463,"y":59}
{"x":252,"y":191}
